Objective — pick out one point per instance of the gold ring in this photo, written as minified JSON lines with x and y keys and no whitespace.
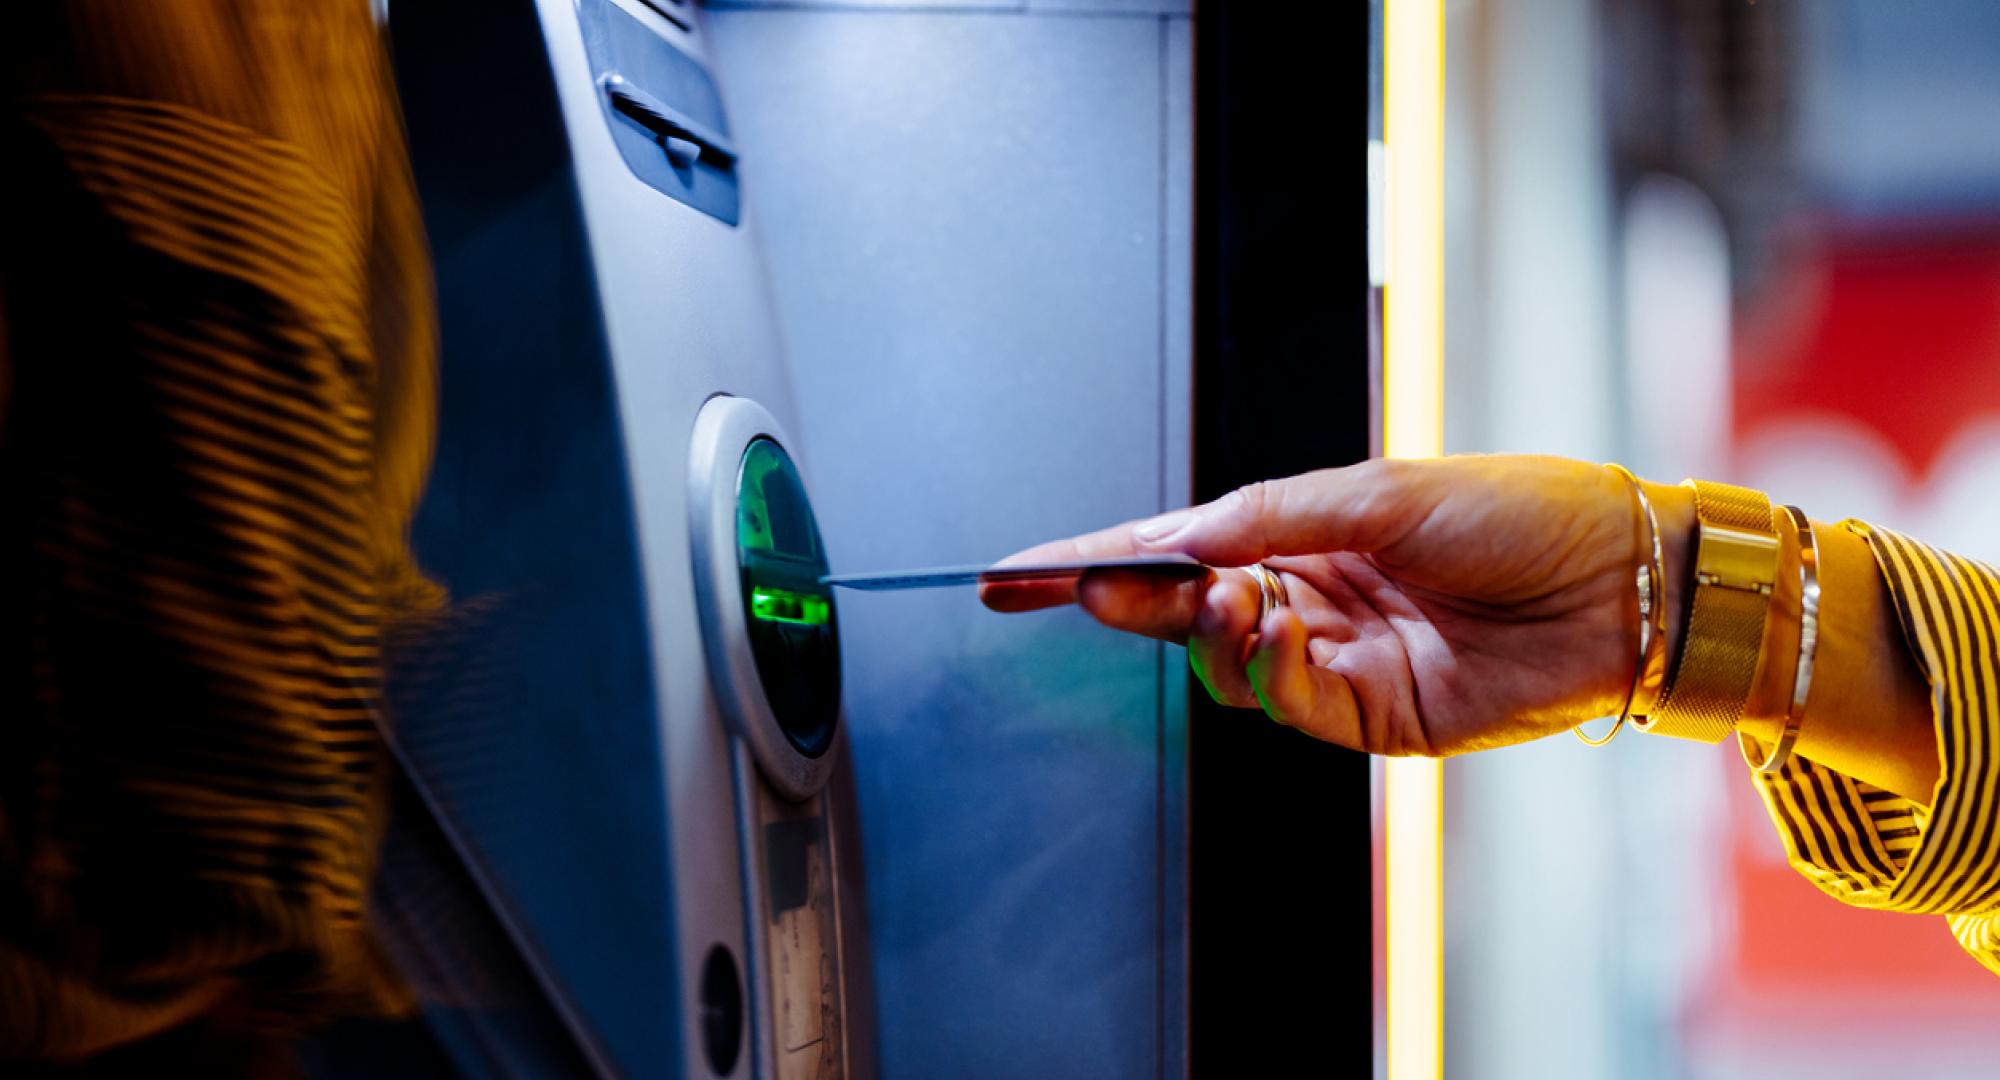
{"x":1271,"y":591}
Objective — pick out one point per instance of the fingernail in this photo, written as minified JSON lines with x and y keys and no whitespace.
{"x":1161,"y":527}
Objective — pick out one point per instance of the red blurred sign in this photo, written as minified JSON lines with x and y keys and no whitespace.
{"x":1896,"y":343}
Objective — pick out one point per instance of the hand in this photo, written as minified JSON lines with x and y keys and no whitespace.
{"x":1437,"y":607}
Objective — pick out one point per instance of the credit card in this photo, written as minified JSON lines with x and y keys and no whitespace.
{"x":1172,"y":567}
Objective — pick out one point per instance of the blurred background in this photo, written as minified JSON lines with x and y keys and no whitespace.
{"x":1752,"y":240}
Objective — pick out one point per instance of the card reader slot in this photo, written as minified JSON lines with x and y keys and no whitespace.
{"x":683,"y":139}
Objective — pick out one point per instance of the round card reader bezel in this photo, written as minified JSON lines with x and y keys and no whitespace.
{"x":723,"y":434}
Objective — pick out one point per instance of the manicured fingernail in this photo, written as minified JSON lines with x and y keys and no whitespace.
{"x":1161,"y":527}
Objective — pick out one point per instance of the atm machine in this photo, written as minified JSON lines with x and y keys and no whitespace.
{"x":629,"y":844}
{"x":623,"y":726}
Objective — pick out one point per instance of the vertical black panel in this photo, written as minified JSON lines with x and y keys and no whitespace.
{"x":1279,"y":920}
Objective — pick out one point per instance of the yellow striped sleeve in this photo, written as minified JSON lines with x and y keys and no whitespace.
{"x":1871,"y":848}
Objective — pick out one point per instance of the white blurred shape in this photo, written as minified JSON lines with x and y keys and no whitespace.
{"x":1532,"y":833}
{"x":1957,"y":510}
{"x":1836,"y":467}
{"x":1550,"y":386}
{"x":1831,"y":466}
{"x":1676,"y":278}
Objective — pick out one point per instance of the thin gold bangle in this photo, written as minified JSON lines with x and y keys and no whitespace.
{"x":1802,"y":672}
{"x":1653,"y":680}
{"x":1649,"y":668}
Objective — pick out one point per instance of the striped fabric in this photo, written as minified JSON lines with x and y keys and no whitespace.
{"x":217,"y":416}
{"x":1871,"y":848}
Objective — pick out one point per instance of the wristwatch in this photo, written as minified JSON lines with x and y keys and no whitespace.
{"x":1735,"y":564}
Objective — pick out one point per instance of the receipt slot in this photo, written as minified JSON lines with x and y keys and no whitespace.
{"x":771,"y":636}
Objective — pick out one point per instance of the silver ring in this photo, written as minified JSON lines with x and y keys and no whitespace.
{"x":1271,"y":591}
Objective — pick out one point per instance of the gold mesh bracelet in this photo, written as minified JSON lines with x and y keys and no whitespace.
{"x":1736,"y":560}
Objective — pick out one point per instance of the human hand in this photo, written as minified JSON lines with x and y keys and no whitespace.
{"x":1436,"y":607}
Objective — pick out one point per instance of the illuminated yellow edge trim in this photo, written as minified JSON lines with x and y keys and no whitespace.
{"x":1413,"y":426}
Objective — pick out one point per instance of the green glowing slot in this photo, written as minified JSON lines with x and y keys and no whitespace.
{"x":780,"y":605}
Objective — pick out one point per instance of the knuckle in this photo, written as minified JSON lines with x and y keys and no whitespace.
{"x":1246,"y":502}
{"x":1383,"y":473}
{"x":1251,"y":497}
{"x":1250,"y":505}
{"x":1235,"y":699}
{"x":1393,"y":496}
{"x":1398,"y":479}
{"x":1278,"y":713}
{"x":1391,"y":485}
{"x":1219,"y":690}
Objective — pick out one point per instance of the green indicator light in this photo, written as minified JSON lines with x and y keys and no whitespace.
{"x":792,"y":623}
{"x":781,"y":605}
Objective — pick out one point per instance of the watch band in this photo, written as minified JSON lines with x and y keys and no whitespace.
{"x":1736,"y":561}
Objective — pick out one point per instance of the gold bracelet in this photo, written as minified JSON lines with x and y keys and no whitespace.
{"x":1802,"y":671}
{"x":1736,"y":562}
{"x":1649,"y":669}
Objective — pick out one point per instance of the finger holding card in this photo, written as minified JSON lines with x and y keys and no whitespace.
{"x":1114,"y":542}
{"x":1142,"y":603}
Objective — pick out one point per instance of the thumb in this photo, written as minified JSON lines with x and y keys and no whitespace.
{"x":1362,"y":508}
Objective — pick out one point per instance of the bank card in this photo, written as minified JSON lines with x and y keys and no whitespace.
{"x":1172,"y":567}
